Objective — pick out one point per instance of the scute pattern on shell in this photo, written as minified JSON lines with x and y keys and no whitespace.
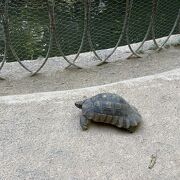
{"x":109,"y":108}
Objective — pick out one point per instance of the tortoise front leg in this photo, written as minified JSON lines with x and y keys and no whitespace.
{"x":84,"y":122}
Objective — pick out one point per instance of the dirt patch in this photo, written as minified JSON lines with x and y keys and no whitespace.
{"x":56,"y":78}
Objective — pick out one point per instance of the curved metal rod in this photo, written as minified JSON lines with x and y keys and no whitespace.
{"x":50,"y":39}
{"x":17,"y":58}
{"x":83,"y":36}
{"x":5,"y":47}
{"x":88,"y":8}
{"x":63,"y":55}
{"x":145,"y":38}
{"x":127,"y":30}
{"x":47,"y":55}
{"x":5,"y":51}
{"x":90,"y":39}
{"x":154,"y":11}
{"x":59,"y":46}
{"x":7,"y":34}
{"x":120,"y":37}
{"x":172,"y":30}
{"x":3,"y":61}
{"x":4,"y":58}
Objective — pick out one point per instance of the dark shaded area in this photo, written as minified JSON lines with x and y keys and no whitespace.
{"x":30,"y":31}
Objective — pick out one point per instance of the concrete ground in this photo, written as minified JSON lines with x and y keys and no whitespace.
{"x":54,"y":77}
{"x":40,"y":135}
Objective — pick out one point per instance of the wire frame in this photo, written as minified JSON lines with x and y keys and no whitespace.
{"x":61,"y":27}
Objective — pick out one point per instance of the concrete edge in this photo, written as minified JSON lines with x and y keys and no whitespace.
{"x":38,"y":97}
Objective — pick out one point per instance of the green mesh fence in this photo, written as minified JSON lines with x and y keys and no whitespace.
{"x":46,"y":28}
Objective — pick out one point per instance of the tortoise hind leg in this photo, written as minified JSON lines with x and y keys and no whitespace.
{"x":131,"y":129}
{"x":84,"y":122}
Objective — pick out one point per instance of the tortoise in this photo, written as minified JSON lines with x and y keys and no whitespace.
{"x":108,"y":108}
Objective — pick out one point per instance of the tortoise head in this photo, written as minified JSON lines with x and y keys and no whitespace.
{"x":79,"y":104}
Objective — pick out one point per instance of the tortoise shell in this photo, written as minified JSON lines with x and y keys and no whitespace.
{"x":108,"y":108}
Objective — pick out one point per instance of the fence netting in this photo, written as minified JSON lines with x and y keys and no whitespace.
{"x":30,"y":29}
